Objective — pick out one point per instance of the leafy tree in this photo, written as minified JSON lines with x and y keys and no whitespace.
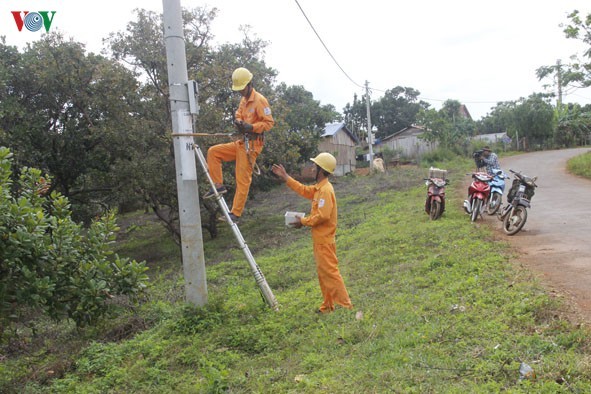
{"x":300,"y":121}
{"x":397,"y":109}
{"x":446,"y":126}
{"x":356,"y":117}
{"x":573,"y":126}
{"x":500,"y":120}
{"x":531,"y":118}
{"x":69,"y":114}
{"x":579,"y":28}
{"x":50,"y":263}
{"x":577,"y":73}
{"x":534,"y":120}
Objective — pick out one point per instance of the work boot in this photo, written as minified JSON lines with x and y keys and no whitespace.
{"x":235,"y":219}
{"x":221,"y":190}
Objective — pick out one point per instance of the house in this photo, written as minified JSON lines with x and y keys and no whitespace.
{"x":463,"y":112}
{"x":338,"y":140}
{"x":493,"y":138}
{"x":408,"y":143}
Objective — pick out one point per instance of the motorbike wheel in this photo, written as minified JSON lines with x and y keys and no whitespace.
{"x":493,"y":205}
{"x":476,"y":206}
{"x":515,"y":220}
{"x":435,"y":212}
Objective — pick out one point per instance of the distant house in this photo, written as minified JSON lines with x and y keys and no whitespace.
{"x":338,"y":140}
{"x":463,"y":111}
{"x":408,"y":143}
{"x":493,"y":138}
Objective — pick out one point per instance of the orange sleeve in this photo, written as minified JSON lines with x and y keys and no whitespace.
{"x":302,"y":190}
{"x":265,"y":119}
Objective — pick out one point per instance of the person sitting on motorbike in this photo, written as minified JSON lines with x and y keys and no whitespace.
{"x":487,"y":158}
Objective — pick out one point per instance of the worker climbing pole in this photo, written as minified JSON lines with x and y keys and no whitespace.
{"x":183,"y":105}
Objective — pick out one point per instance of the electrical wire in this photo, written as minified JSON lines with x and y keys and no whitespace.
{"x":379,"y":90}
{"x":325,"y":47}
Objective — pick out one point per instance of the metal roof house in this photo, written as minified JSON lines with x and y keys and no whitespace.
{"x":408,"y":143}
{"x":338,"y":140}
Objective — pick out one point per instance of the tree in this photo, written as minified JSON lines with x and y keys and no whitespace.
{"x":397,"y":109}
{"x":573,"y":126}
{"x":300,"y":121}
{"x":50,"y":263}
{"x":446,"y":126}
{"x":356,"y":117}
{"x":500,"y":120}
{"x":534,"y":120}
{"x":531,"y":118}
{"x":68,"y":113}
{"x":577,"y":73}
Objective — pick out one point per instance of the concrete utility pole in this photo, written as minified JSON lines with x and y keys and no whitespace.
{"x":184,"y":157}
{"x":369,"y":133}
{"x":559,"y":83}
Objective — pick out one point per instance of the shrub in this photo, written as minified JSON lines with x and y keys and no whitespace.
{"x":52,"y":264}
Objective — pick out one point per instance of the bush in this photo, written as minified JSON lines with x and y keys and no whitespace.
{"x":52,"y":264}
{"x":437,"y":156}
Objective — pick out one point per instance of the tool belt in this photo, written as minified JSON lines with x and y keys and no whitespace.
{"x":255,"y":136}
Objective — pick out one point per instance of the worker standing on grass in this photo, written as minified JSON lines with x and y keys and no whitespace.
{"x":253,"y":119}
{"x":323,"y":220}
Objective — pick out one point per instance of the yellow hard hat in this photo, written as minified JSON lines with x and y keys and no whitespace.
{"x":326,"y":161}
{"x":240,"y":78}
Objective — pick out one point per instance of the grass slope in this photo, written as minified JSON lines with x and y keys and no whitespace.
{"x":444,"y":309}
{"x":580,"y":165}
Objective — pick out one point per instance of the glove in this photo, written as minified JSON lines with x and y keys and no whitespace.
{"x":242,"y":126}
{"x":239,"y":125}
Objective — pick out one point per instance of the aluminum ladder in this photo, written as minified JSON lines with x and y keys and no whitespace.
{"x":256,"y":271}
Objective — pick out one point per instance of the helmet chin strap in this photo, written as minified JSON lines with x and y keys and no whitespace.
{"x":317,"y":172}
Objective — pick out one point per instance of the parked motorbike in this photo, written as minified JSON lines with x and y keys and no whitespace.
{"x":435,"y":204}
{"x":514,"y":215}
{"x":478,"y":194}
{"x":497,"y":187}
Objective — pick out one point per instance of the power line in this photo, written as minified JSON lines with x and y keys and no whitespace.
{"x":325,"y":47}
{"x":578,"y":95}
{"x":363,"y":87}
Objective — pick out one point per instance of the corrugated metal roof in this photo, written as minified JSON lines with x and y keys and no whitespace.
{"x":412,"y":130}
{"x":333,"y":128}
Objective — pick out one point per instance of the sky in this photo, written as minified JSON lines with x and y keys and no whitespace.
{"x":479,"y":53}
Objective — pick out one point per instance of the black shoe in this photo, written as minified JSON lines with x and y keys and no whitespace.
{"x":221,"y":190}
{"x":235,"y":219}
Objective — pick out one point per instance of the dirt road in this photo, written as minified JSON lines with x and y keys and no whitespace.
{"x":556,"y":241}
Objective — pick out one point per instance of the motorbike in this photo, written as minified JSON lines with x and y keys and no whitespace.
{"x":497,"y":187}
{"x":478,"y":194}
{"x":435,"y":203}
{"x":514,"y":215}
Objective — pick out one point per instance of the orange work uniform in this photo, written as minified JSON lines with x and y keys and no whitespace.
{"x":256,"y":111}
{"x":323,"y":220}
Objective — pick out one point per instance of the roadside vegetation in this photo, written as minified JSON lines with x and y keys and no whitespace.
{"x":440,"y":306}
{"x":580,"y":165}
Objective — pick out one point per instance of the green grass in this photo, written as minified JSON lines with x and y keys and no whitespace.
{"x":445,"y":310}
{"x":580,"y":165}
